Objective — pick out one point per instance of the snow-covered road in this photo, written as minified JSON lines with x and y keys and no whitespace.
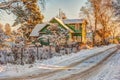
{"x":110,"y":70}
{"x":102,"y":71}
{"x":71,"y":67}
{"x":77,"y":70}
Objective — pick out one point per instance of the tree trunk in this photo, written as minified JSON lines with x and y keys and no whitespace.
{"x":94,"y":33}
{"x":37,"y":53}
{"x":22,"y":51}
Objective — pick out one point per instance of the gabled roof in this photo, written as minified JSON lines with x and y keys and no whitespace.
{"x":61,"y":22}
{"x":72,"y":21}
{"x":38,"y":27}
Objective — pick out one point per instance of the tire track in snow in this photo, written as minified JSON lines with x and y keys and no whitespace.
{"x":85,"y":75}
{"x":49,"y":74}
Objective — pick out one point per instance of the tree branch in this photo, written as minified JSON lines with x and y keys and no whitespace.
{"x":6,"y":5}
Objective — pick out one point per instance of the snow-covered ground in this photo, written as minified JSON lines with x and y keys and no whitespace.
{"x":80,"y":67}
{"x":110,"y":71}
{"x":53,"y":63}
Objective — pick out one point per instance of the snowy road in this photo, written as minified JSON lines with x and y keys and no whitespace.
{"x":102,"y":71}
{"x":79,"y":68}
{"x":97,"y":66}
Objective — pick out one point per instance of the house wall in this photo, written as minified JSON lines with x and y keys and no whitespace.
{"x":84,"y":32}
{"x":76,"y":38}
{"x":76,"y":25}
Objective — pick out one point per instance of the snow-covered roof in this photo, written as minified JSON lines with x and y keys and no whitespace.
{"x":38,"y":27}
{"x":71,"y":21}
{"x":61,"y":22}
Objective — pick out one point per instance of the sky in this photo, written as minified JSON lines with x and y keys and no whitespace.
{"x":70,"y":7}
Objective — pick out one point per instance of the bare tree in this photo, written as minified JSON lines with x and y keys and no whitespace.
{"x":102,"y":13}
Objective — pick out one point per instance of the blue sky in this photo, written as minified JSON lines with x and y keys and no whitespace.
{"x":70,"y":7}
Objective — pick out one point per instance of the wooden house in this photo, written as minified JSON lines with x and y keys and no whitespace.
{"x":75,"y":27}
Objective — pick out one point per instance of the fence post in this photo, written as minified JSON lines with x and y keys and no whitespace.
{"x":22,"y":51}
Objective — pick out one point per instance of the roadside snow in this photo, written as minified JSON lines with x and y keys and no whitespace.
{"x":110,"y":71}
{"x":55,"y":62}
{"x":79,"y":68}
{"x":83,"y":53}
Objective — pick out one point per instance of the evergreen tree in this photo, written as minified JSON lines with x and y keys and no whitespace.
{"x":27,"y":13}
{"x":34,"y":16}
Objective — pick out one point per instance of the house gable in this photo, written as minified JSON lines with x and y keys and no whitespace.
{"x":38,"y":27}
{"x":56,"y":20}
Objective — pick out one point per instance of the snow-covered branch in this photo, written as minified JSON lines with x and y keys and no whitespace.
{"x":6,"y":5}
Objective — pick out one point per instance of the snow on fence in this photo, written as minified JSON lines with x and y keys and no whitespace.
{"x":31,"y":54}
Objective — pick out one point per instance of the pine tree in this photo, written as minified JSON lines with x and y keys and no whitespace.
{"x":34,"y":16}
{"x":27,"y":13}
